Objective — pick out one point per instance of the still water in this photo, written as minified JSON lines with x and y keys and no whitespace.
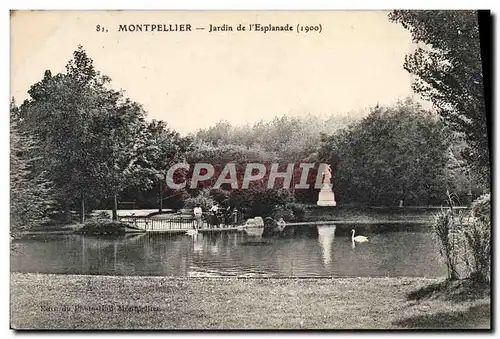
{"x":331,"y":253}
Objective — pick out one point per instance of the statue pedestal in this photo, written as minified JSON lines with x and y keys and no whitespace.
{"x":326,"y":196}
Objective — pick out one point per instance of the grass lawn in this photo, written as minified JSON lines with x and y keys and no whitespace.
{"x":41,"y":301}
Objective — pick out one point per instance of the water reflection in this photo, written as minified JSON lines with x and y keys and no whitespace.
{"x":330,"y":254}
{"x":326,"y":235}
{"x":197,"y":243}
{"x":214,"y":248}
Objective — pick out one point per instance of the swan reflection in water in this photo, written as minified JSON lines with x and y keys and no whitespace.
{"x":326,"y":235}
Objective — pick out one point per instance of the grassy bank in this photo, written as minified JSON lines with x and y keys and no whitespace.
{"x":42,"y":301}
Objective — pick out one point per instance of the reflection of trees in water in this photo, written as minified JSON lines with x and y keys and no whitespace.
{"x":168,"y":254}
{"x":387,"y":254}
{"x":155,"y":254}
{"x":112,"y":255}
{"x":298,"y":256}
{"x":393,"y":253}
{"x":403,"y":251}
{"x":214,"y":248}
{"x":48,"y":254}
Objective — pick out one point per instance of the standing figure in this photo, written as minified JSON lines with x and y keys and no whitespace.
{"x":327,"y":175}
{"x":215,"y":216}
{"x":198,"y":213}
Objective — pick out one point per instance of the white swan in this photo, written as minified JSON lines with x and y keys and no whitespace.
{"x":359,"y":238}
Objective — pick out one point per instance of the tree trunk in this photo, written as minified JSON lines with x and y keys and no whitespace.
{"x":161,"y":197}
{"x":469,"y":188}
{"x":82,"y":211}
{"x":67,"y":214}
{"x":115,"y":207}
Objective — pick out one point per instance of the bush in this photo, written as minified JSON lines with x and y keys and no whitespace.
{"x":220,"y":196}
{"x":204,"y":199}
{"x":102,"y":227}
{"x":466,"y":236}
{"x":283,"y":212}
{"x":478,"y":238}
{"x":477,"y":235}
{"x":259,"y":201}
{"x":481,"y":208}
{"x":299,"y":211}
{"x":445,"y":229}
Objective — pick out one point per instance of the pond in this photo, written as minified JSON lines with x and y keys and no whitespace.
{"x":391,"y":251}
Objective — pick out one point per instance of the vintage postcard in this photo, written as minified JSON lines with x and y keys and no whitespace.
{"x":250,"y":170}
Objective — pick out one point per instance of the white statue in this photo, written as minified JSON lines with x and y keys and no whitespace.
{"x":327,"y":175}
{"x":326,"y":196}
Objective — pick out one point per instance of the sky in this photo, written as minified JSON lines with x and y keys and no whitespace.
{"x":193,"y":79}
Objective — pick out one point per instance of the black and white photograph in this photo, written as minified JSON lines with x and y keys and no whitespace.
{"x":250,"y":170}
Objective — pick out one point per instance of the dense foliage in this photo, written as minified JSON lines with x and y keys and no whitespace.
{"x":395,"y":153}
{"x":287,"y":138}
{"x":31,"y":194}
{"x":448,"y":72}
{"x":78,"y":144}
{"x":94,"y":142}
{"x":465,"y":239}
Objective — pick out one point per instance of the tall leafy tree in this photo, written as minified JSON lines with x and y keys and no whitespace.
{"x":122,"y":140}
{"x":166,"y":147}
{"x":60,"y":114}
{"x":448,"y":72}
{"x":31,"y":194}
{"x":396,"y":153}
{"x":92,"y":138}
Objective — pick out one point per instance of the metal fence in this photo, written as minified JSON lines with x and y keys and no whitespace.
{"x":161,"y":224}
{"x":183,"y":221}
{"x":154,"y":224}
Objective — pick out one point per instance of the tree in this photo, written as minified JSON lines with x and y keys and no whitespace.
{"x":166,"y":148}
{"x":448,"y":72}
{"x":92,"y":138}
{"x":122,"y":144}
{"x":396,"y":153}
{"x":288,"y":138}
{"x":60,"y":115}
{"x":31,"y":195}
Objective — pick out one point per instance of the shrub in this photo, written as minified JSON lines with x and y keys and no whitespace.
{"x":220,"y":196}
{"x":445,"y":229}
{"x":174,"y":199}
{"x":259,"y":201}
{"x":264,"y":201}
{"x":477,"y":235}
{"x":283,"y":212}
{"x":102,"y":227}
{"x":204,"y":199}
{"x":467,"y":236}
{"x":299,"y":211}
{"x":481,"y":208}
